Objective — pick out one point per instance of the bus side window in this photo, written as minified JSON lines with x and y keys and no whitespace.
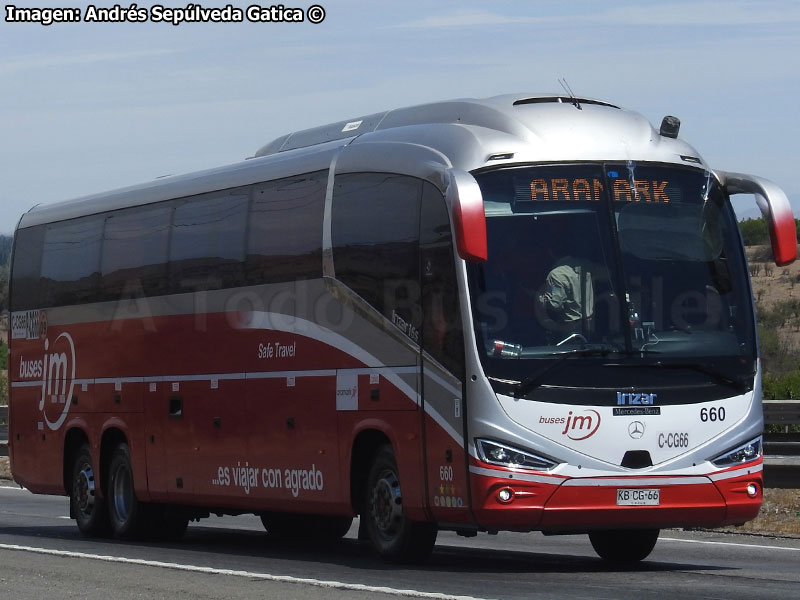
{"x":284,"y":241}
{"x":375,"y":235}
{"x":135,"y":251}
{"x":207,"y":244}
{"x":27,"y":267}
{"x":71,"y":261}
{"x":441,"y":330}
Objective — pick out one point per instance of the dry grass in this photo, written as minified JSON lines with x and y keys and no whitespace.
{"x":772,"y":284}
{"x":774,"y":287}
{"x":779,"y":515}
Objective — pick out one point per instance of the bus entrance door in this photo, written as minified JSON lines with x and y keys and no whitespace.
{"x":443,"y":366}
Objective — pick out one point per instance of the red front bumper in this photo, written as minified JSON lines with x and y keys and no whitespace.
{"x":543,"y":502}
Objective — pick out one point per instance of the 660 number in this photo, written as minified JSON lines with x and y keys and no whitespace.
{"x":712,"y":414}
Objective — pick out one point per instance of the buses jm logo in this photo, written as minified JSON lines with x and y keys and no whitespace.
{"x":58,"y":380}
{"x":581,"y":427}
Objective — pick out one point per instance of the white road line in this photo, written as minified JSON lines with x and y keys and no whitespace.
{"x":250,"y":575}
{"x":728,"y":544}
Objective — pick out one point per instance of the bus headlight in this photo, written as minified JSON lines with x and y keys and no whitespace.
{"x":741,"y":454}
{"x":496,"y":453}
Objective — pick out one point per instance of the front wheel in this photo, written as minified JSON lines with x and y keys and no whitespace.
{"x":393,"y":536}
{"x":624,"y":546}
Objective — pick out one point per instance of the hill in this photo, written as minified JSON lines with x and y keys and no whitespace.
{"x":777,"y":294}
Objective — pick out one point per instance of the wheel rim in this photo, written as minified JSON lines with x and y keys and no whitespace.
{"x":387,"y":504}
{"x":122,"y":493}
{"x":84,"y":489}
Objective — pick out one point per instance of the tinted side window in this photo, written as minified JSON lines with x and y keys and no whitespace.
{"x":27,"y":268}
{"x":207,"y":243}
{"x":442,"y":333}
{"x":285,"y":235}
{"x":135,"y":247}
{"x":71,"y":261}
{"x":375,"y":231}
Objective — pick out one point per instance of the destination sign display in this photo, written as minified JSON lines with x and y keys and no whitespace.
{"x":583,"y":189}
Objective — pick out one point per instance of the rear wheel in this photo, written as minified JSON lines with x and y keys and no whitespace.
{"x":624,"y":545}
{"x":164,"y":522}
{"x":127,"y":514}
{"x":87,"y":506}
{"x":391,"y":533}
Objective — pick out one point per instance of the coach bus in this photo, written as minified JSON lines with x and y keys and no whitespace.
{"x":522,"y":313}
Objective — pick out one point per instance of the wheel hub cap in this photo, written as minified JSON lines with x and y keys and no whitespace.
{"x":387,"y":503}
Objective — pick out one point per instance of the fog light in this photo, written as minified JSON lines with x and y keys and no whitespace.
{"x":752,"y":490}
{"x":505,"y":495}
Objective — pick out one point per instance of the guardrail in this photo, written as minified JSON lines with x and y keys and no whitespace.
{"x":782,"y":448}
{"x":3,"y":431}
{"x":784,"y":414}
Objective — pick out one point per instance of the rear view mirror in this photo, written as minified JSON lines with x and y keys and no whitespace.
{"x":775,"y":209}
{"x":465,"y":202}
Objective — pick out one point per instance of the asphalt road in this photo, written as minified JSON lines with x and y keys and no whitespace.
{"x":43,"y":555}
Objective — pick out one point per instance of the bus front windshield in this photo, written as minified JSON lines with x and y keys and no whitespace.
{"x":634,"y":263}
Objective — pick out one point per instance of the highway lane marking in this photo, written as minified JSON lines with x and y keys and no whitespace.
{"x":357,"y":587}
{"x":760,"y":546}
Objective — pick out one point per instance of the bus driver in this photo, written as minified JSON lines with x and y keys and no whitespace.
{"x":567,"y":296}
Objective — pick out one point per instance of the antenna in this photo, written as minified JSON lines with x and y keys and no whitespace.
{"x":565,"y":85}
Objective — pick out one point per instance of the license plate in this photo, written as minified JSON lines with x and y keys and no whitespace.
{"x":638,"y":497}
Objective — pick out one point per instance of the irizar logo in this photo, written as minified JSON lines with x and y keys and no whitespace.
{"x":58,"y":370}
{"x":635,"y":398}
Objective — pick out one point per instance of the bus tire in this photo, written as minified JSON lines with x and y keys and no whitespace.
{"x":296,"y":526}
{"x":392,"y":535}
{"x":331,"y":528}
{"x":87,"y":505}
{"x":624,"y":546}
{"x":126,"y":513}
{"x":165,"y":523}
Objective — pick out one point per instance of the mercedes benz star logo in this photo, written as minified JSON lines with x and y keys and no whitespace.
{"x":636,"y":429}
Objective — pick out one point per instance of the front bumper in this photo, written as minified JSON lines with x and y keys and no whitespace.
{"x":557,"y":503}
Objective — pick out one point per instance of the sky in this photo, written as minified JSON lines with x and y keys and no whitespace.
{"x":88,"y":106}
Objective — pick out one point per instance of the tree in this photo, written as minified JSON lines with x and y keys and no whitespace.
{"x":5,"y":256}
{"x":754,"y":232}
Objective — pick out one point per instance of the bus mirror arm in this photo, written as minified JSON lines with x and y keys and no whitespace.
{"x":465,"y":201}
{"x":775,"y":209}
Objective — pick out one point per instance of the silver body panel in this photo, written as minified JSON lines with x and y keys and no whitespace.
{"x":424,"y":141}
{"x":429,"y":142}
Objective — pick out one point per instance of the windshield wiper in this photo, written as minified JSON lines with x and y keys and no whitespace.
{"x":527,"y":386}
{"x":717,"y":376}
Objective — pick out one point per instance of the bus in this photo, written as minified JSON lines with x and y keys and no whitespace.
{"x":523,"y":313}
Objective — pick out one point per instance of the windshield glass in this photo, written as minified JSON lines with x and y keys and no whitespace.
{"x":638,"y":262}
